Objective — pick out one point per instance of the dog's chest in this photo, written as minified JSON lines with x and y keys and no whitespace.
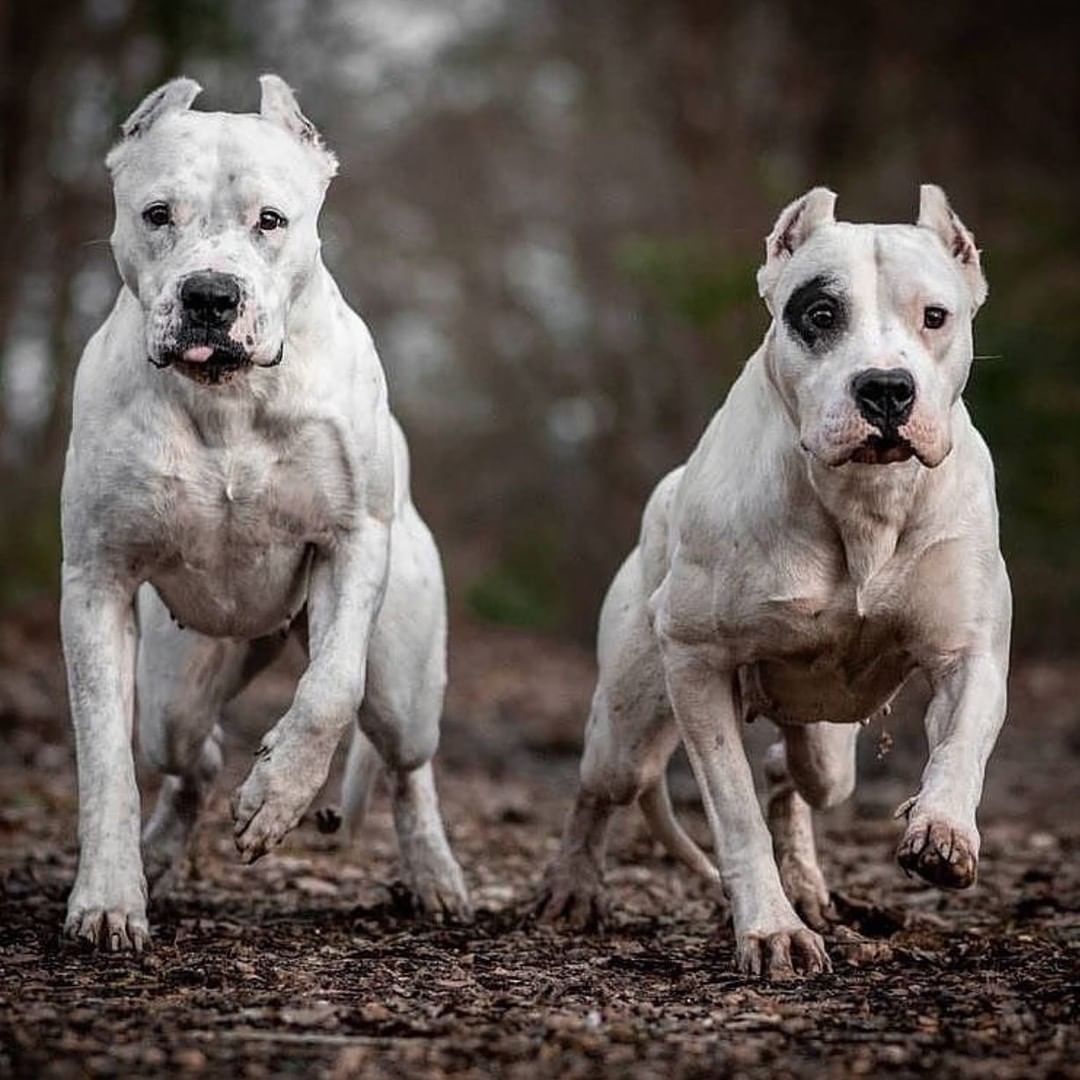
{"x":828,"y":653}
{"x":238,"y":525}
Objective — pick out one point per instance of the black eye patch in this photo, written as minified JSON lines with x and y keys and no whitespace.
{"x":817,"y":313}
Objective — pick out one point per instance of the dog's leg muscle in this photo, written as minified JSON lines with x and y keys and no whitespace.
{"x":809,"y":766}
{"x":107,"y":905}
{"x":770,"y":937}
{"x":400,"y":716}
{"x":183,"y":681}
{"x":629,"y":740}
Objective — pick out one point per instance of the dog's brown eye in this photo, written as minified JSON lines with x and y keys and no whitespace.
{"x":157,"y":214}
{"x":933,"y":317}
{"x":822,"y":315}
{"x":271,"y":219}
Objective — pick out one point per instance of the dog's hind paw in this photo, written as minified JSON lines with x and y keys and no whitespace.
{"x":442,"y":895}
{"x":572,"y":897}
{"x":804,"y":885}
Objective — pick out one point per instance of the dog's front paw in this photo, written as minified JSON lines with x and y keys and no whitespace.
{"x":781,"y":953}
{"x":941,"y":853}
{"x":108,"y":920}
{"x":273,"y":798}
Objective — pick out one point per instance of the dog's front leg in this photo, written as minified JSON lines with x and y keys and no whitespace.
{"x":770,"y":938}
{"x":941,"y":842}
{"x":346,"y":590}
{"x":107,"y":906}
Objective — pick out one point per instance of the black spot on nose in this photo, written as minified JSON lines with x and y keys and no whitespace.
{"x":885,"y":397}
{"x":210,"y":299}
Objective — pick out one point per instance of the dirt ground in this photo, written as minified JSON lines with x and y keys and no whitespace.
{"x":311,"y":963}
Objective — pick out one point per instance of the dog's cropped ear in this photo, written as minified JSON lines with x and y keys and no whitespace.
{"x":279,"y":106}
{"x":174,"y":96}
{"x":936,"y":214}
{"x":792,"y":229}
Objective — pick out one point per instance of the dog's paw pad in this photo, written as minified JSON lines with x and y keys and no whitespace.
{"x":327,"y":820}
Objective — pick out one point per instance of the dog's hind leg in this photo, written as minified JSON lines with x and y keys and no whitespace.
{"x":363,"y":767}
{"x":183,"y":680}
{"x":629,"y":739}
{"x":403,"y":700}
{"x":811,"y":766}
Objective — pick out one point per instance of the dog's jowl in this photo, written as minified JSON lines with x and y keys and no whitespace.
{"x":834,"y":531}
{"x":235,"y":473}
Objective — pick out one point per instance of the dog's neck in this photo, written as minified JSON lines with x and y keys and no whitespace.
{"x":870,"y":505}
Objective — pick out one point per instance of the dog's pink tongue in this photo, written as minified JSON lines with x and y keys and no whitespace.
{"x":198,"y":354}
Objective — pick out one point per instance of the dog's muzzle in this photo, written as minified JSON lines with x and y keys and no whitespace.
{"x":885,"y":399}
{"x":209,"y":303}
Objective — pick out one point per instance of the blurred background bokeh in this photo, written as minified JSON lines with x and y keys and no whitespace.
{"x":549,"y":212}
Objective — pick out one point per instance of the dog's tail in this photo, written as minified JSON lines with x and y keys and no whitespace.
{"x":655,"y":802}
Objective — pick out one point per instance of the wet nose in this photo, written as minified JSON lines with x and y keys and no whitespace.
{"x":884,"y":397}
{"x":210,"y":299}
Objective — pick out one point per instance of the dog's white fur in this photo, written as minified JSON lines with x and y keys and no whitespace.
{"x":776,"y":576}
{"x":201,"y":521}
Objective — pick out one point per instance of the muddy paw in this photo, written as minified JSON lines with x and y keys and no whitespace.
{"x":111,"y":928}
{"x":804,"y":885}
{"x":572,"y":898}
{"x":783,"y":954}
{"x":939,"y":853}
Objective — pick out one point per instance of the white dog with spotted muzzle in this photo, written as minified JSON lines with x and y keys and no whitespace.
{"x":835,"y":530}
{"x":249,"y":479}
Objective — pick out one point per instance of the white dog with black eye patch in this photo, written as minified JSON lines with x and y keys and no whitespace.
{"x":234,"y":473}
{"x":835,"y":530}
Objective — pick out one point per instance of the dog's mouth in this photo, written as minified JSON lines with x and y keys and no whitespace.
{"x":211,"y":360}
{"x":884,"y":449}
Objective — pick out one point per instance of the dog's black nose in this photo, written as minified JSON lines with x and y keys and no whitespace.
{"x":884,"y":397}
{"x":210,"y":299}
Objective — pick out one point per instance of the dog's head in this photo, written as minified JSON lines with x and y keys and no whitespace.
{"x":871,"y":342}
{"x":216,"y":217}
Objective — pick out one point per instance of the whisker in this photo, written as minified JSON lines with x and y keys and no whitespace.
{"x":990,"y":356}
{"x":90,"y":243}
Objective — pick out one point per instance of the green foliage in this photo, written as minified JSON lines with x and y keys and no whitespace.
{"x":30,"y":550}
{"x":694,"y":281}
{"x":524,"y":588}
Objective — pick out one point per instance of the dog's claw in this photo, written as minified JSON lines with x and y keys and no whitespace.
{"x":784,"y":954}
{"x":572,"y":898}
{"x":277,"y":791}
{"x":939,"y":853}
{"x":112,"y":930}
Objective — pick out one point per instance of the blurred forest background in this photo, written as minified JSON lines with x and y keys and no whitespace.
{"x":549,"y":213}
